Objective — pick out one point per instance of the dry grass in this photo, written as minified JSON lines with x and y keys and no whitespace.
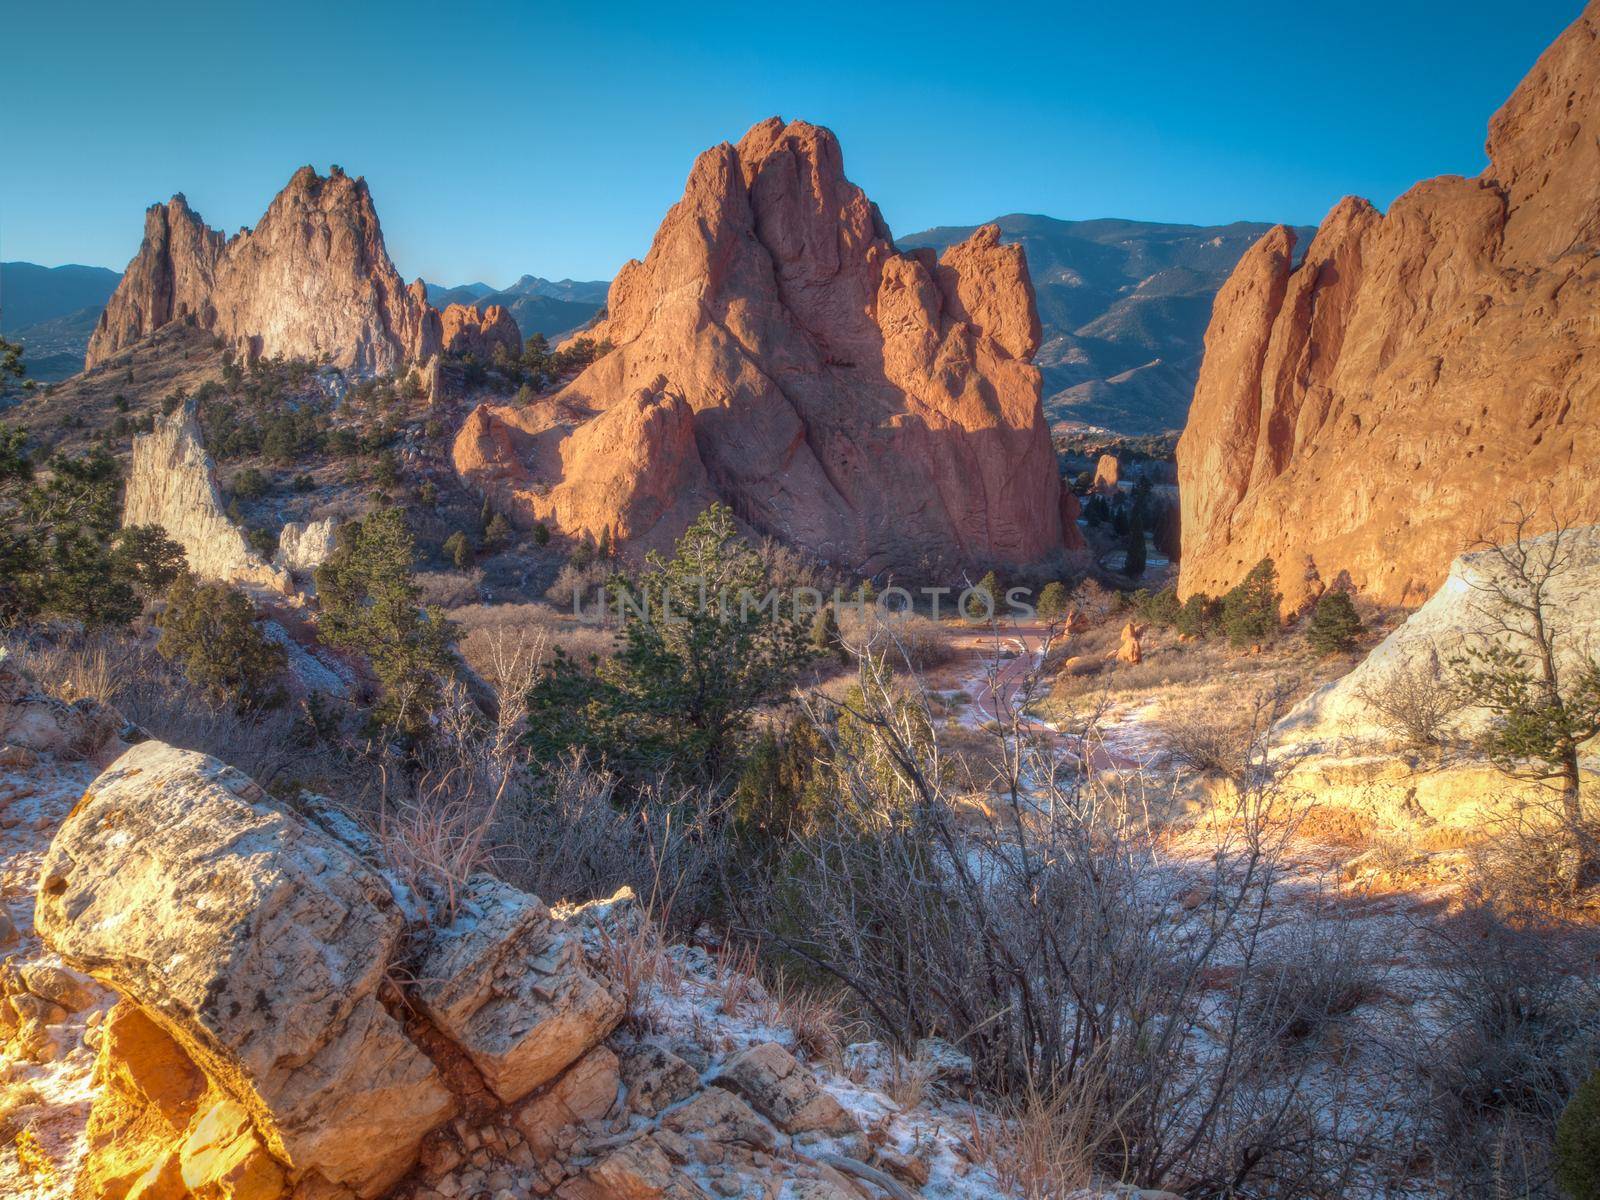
{"x":16,"y":1101}
{"x":484,"y":628}
{"x":634,"y":957}
{"x":449,"y":589}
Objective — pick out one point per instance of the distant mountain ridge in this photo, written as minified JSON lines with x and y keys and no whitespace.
{"x":52,"y":312}
{"x":550,"y":307}
{"x":1124,"y":306}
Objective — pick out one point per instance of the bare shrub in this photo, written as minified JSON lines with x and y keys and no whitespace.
{"x":1045,"y":933}
{"x":1521,"y":1027}
{"x":909,"y":638}
{"x":1323,"y":974}
{"x":449,"y":589}
{"x":1208,"y":741}
{"x":1414,"y":703}
{"x":578,"y":585}
{"x":575,"y":835}
{"x":1520,"y":865}
{"x":636,"y":962}
{"x":484,"y":626}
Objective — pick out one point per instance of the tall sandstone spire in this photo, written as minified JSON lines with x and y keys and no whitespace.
{"x":775,"y":351}
{"x":1382,"y":405}
{"x":311,"y":278}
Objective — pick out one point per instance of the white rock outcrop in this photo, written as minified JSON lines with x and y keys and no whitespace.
{"x":1458,"y":615}
{"x":172,"y":483}
{"x":304,"y":548}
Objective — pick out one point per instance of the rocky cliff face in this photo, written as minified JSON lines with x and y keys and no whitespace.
{"x":1380,"y":405}
{"x":467,"y":329}
{"x":311,"y":278}
{"x":171,"y":483}
{"x":878,"y":409}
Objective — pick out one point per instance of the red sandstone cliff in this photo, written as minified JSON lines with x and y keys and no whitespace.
{"x":1380,"y":406}
{"x":311,"y":278}
{"x":876,"y":408}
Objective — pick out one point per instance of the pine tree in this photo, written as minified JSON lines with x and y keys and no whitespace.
{"x":458,"y":550}
{"x":697,"y":662}
{"x":1052,"y":604}
{"x":497,"y":534}
{"x":983,"y":604}
{"x":1335,"y":624}
{"x":1249,"y":613}
{"x":370,"y":604}
{"x":209,"y":629}
{"x":1133,"y":557}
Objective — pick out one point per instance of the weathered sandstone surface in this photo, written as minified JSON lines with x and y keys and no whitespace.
{"x":312,"y":278}
{"x":466,"y":330}
{"x":172,"y":483}
{"x":259,"y":945}
{"x":773,"y":350}
{"x":302,"y":548}
{"x":1379,"y":405}
{"x":1461,"y":615}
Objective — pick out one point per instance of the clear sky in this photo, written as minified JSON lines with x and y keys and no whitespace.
{"x":549,"y":138}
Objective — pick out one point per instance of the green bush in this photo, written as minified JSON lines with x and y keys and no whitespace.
{"x":1249,"y":613}
{"x":1161,"y":608}
{"x":1053,"y":602}
{"x":1198,"y":616}
{"x":1578,"y":1143}
{"x":541,"y":534}
{"x":1335,"y":624}
{"x":458,"y":549}
{"x":209,"y":629}
{"x":250,"y":484}
{"x":371,"y":604}
{"x":978,"y":607}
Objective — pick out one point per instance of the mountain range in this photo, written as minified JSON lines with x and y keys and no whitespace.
{"x":1124,"y":307}
{"x":52,"y":311}
{"x":550,"y":307}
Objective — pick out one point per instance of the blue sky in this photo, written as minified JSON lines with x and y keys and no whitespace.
{"x":550,"y":138}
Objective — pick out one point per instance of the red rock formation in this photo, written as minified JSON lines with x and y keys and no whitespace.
{"x":878,"y":409}
{"x":311,"y":278}
{"x":1107,"y":475}
{"x":1380,"y":406}
{"x":465,"y":330}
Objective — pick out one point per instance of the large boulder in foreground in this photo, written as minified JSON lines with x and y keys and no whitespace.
{"x":878,"y":409}
{"x":1373,"y":404}
{"x":255,"y":942}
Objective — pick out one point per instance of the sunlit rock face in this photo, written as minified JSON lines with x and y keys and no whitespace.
{"x":172,"y":483}
{"x":778,"y":354}
{"x":1380,"y":404}
{"x":311,"y":279}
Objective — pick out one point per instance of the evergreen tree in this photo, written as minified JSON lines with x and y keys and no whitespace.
{"x":1053,"y":602}
{"x":701,"y":653}
{"x":497,"y":534}
{"x":1133,"y":556}
{"x":1335,"y":624}
{"x":370,"y":604}
{"x":210,"y":630}
{"x":458,"y":550}
{"x":984,"y":602}
{"x":1249,"y":613}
